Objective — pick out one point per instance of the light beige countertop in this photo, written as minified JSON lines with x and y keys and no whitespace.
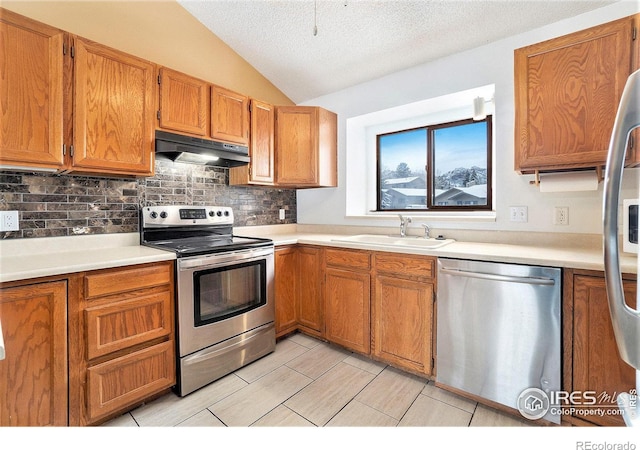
{"x":560,"y":250}
{"x":22,"y":259}
{"x":39,"y":257}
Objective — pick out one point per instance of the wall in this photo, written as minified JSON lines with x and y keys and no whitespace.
{"x":160,"y":31}
{"x":64,"y":205}
{"x":488,"y":64}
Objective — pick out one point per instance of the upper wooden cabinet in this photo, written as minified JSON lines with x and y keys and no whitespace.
{"x":633,"y":153}
{"x":567,"y":92}
{"x":306,"y":147}
{"x":196,"y":107}
{"x":184,"y":103}
{"x":229,"y":116}
{"x":71,"y":105}
{"x":261,"y":168}
{"x":31,"y":93}
{"x":114,"y":111}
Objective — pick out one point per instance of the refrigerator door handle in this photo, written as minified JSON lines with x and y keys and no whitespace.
{"x":2,"y":352}
{"x":625,"y":320}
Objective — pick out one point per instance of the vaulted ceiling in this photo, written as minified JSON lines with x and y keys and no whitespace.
{"x":309,"y":48}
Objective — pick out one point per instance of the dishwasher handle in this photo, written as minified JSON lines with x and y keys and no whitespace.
{"x":495,"y":277}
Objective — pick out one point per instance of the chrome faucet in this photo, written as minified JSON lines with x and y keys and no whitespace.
{"x":426,"y":230}
{"x":404,"y":223}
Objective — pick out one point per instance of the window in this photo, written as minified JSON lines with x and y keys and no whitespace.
{"x":438,"y":167}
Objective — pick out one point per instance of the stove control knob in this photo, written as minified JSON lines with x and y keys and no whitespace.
{"x":212,"y":213}
{"x":154,"y":215}
{"x":219,"y":213}
{"x":226,"y":213}
{"x":163,"y":215}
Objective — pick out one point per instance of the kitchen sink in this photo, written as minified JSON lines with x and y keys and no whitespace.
{"x":396,"y":241}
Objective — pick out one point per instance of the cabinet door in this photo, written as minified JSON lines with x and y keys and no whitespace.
{"x":114,"y":111}
{"x":633,"y":153}
{"x":347,"y":309}
{"x":184,"y":103}
{"x":262,"y":169}
{"x":31,"y":93}
{"x":403,"y":318}
{"x":296,"y":144}
{"x":596,"y":362}
{"x":567,"y":94}
{"x":310,"y":301}
{"x":229,"y":116}
{"x":286,"y":285}
{"x":33,"y":375}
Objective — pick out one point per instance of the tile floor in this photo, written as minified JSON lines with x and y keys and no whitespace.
{"x":307,"y":382}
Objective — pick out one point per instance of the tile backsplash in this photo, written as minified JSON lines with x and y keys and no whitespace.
{"x":64,"y":205}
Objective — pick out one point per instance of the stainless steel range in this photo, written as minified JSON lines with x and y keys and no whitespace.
{"x":224,"y":290}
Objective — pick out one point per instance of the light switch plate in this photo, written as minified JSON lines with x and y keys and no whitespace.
{"x":518,"y":214}
{"x":281,"y":214}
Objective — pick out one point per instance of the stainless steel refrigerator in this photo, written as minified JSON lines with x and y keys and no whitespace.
{"x":625,"y":320}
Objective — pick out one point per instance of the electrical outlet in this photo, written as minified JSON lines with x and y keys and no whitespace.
{"x":281,"y":213}
{"x":9,"y":221}
{"x":518,"y":214}
{"x":561,"y":215}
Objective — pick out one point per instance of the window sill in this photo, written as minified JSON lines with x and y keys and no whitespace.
{"x":451,"y":216}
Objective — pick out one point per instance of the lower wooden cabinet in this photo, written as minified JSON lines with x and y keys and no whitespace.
{"x":299,"y":278}
{"x":286,"y":288}
{"x":591,"y":359}
{"x":122,"y":349}
{"x":403,"y":311}
{"x":33,"y":374}
{"x":309,"y":290}
{"x":348,"y":298}
{"x":117,"y":383}
{"x":374,"y":303}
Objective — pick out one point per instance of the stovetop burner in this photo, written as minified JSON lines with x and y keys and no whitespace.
{"x":192,"y":230}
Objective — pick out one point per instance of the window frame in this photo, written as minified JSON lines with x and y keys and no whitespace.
{"x":429,"y":189}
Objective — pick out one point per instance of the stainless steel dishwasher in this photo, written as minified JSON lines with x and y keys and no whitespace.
{"x":498,"y":330}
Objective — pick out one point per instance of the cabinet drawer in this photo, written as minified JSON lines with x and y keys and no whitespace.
{"x":122,"y":382}
{"x":348,"y":259}
{"x":122,"y":324}
{"x":418,"y":266}
{"x":107,"y":282}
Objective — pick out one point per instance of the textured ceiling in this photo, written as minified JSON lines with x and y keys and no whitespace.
{"x":360,"y":40}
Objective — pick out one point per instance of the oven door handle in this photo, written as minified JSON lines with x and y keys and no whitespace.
{"x":222,"y":259}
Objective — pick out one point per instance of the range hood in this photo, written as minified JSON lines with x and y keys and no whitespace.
{"x":192,"y":150}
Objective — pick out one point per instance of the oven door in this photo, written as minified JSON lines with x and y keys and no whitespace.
{"x":223,"y":295}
